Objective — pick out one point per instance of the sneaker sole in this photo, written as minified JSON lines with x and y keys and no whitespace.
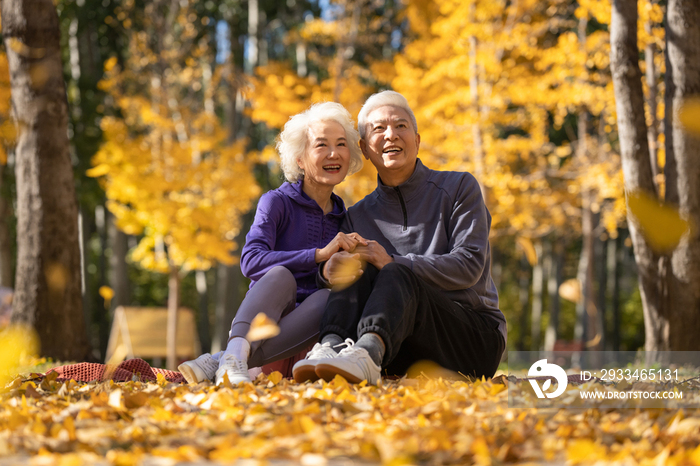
{"x":188,"y":373}
{"x":304,"y":374}
{"x":328,"y":372}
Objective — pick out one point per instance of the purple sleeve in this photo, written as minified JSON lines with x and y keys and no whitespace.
{"x":259,"y":254}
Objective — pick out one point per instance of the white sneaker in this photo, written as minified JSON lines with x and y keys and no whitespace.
{"x":353,"y":363}
{"x":200,"y":369}
{"x":236,"y":369}
{"x":306,"y":368}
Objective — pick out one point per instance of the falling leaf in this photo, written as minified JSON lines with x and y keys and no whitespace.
{"x":431,"y":369}
{"x":262,"y":328}
{"x":21,"y":48}
{"x":661,"y":224}
{"x":107,"y":294}
{"x":689,"y":115}
{"x":38,"y":74}
{"x":571,"y":290}
{"x":528,"y":248}
{"x":56,"y":277}
{"x":17,"y":343}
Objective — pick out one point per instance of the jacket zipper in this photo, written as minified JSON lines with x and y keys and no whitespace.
{"x":403,"y":209}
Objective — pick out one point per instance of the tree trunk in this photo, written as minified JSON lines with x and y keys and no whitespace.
{"x":652,"y":131}
{"x":203,"y":327}
{"x":537,"y":303}
{"x":173,"y":305}
{"x":118,"y":276}
{"x":48,"y":259}
{"x":6,"y":259}
{"x":524,"y":300}
{"x":554,"y":281}
{"x":636,"y":164}
{"x":682,"y":276}
{"x":613,"y":277}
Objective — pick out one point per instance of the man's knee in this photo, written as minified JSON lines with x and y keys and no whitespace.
{"x":396,"y":271}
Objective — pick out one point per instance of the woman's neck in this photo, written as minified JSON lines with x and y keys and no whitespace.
{"x":319,"y":193}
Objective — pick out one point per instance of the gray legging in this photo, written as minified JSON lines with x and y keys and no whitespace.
{"x":273,"y":294}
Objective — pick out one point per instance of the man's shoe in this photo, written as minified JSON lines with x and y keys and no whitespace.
{"x":236,"y":369}
{"x":200,"y":369}
{"x":353,"y":363}
{"x":306,"y":368}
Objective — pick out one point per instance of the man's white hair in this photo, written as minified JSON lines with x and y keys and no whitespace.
{"x":381,"y":99}
{"x":294,"y":138}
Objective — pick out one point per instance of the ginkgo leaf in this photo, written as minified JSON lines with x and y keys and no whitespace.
{"x":262,"y":328}
{"x":689,"y":115}
{"x":660,"y":224}
{"x":528,"y":248}
{"x":571,"y":290}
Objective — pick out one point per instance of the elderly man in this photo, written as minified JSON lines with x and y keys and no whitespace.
{"x":426,"y":292}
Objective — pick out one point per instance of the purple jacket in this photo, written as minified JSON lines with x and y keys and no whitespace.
{"x":288,"y":228}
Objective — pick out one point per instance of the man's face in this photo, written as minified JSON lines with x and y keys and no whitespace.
{"x":391,"y":142}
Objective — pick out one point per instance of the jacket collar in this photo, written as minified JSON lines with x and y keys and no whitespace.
{"x":295,"y":193}
{"x":409,"y":188}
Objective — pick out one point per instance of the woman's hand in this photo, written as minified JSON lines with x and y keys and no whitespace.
{"x":341,"y":242}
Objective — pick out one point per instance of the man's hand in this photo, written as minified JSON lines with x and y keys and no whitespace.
{"x":374,"y":254}
{"x":341,"y":242}
{"x":342,"y":269}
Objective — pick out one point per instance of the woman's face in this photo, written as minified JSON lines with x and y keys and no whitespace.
{"x":327,"y":157}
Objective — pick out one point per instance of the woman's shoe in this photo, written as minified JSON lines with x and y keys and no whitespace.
{"x":236,"y":369}
{"x":200,"y":369}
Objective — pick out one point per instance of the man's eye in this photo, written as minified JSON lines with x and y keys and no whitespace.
{"x":378,"y":128}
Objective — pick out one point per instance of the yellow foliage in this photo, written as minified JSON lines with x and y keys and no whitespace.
{"x":167,"y":167}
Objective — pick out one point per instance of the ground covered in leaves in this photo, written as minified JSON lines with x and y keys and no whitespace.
{"x":408,"y":421}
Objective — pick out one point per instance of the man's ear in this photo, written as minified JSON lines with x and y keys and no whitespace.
{"x":417,"y":142}
{"x":363,"y":147}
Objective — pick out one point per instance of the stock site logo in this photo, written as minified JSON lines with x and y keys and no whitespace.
{"x":542,"y":369}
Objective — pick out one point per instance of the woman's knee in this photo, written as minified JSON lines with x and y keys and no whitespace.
{"x":280,"y":275}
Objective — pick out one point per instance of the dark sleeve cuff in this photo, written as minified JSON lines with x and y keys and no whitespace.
{"x":321,"y":281}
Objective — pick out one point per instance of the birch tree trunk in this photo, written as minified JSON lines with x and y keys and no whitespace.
{"x":48,"y":294}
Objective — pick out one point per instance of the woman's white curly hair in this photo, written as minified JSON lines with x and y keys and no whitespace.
{"x":293,"y":140}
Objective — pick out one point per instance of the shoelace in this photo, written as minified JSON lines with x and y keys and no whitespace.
{"x":211,"y":364}
{"x":348,"y":343}
{"x":232,"y":360}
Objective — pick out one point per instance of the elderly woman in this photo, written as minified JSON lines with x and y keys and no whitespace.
{"x":296,"y":227}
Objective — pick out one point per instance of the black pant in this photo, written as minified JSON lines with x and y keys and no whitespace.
{"x":416,"y":322}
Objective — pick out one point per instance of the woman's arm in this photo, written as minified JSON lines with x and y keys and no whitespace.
{"x":259,"y":254}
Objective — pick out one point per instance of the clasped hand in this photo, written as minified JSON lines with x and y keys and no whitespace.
{"x":344,"y":267}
